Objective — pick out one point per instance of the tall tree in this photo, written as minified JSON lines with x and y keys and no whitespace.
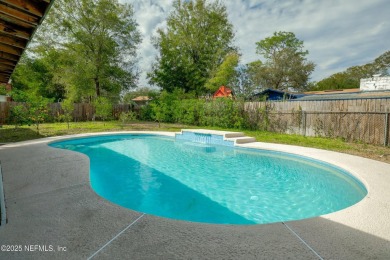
{"x":196,"y":41}
{"x":248,"y":79}
{"x":36,"y":76}
{"x":382,"y":64}
{"x":225,"y":73}
{"x":100,"y":38}
{"x":285,"y":62}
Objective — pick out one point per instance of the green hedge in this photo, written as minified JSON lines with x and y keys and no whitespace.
{"x":178,"y":108}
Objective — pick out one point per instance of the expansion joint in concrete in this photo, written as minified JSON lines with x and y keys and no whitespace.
{"x":303,"y":241}
{"x":3,"y":214}
{"x":116,"y":236}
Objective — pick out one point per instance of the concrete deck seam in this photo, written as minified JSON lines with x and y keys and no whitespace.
{"x":303,"y":241}
{"x":3,"y":219}
{"x":115,"y":237}
{"x":45,"y":192}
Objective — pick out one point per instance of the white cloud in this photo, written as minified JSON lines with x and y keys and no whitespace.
{"x":150,"y":15}
{"x":337,"y":33}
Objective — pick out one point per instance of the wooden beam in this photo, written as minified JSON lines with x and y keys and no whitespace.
{"x":7,"y":62}
{"x":32,"y":7}
{"x":14,"y":30}
{"x":5,"y":67}
{"x":18,"y":22}
{"x":4,"y":79}
{"x":7,"y":72}
{"x":12,"y":20}
{"x":4,"y":9}
{"x":12,"y":41}
{"x":9,"y":57}
{"x":10,"y":49}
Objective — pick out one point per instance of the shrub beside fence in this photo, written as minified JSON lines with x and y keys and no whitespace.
{"x":81,"y":112}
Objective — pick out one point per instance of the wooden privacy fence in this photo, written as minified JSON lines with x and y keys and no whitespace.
{"x":367,"y":127}
{"x":353,"y":120}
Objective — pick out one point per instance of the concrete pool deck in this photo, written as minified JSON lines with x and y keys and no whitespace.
{"x":53,"y":214}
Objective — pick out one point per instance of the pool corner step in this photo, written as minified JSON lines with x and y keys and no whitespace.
{"x":233,"y":134}
{"x":242,"y":140}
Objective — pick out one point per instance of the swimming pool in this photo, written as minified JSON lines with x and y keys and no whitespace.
{"x":211,"y":183}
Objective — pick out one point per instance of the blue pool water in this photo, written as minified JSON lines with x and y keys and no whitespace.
{"x":211,"y":183}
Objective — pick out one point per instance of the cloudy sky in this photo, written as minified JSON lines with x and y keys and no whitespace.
{"x":337,"y":33}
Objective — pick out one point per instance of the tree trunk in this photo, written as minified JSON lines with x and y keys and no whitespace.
{"x":97,"y":87}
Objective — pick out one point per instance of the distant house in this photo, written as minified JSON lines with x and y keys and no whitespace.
{"x":273,"y":94}
{"x":141,"y":100}
{"x":376,"y":82}
{"x":223,"y":92}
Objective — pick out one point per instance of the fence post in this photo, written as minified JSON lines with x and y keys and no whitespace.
{"x":386,"y":142}
{"x":303,"y":123}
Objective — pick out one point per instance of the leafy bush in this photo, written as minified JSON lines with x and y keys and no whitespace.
{"x":188,"y":111}
{"x":3,"y":90}
{"x":178,"y":107}
{"x":103,"y":108}
{"x":68,"y":107}
{"x":226,"y":113}
{"x":38,"y":110}
{"x":19,"y":115}
{"x":145,"y":113}
{"x":164,"y":108}
{"x":127,"y":117}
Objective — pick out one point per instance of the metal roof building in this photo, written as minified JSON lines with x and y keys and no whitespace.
{"x":343,"y":94}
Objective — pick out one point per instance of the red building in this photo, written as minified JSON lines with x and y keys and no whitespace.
{"x":223,"y":92}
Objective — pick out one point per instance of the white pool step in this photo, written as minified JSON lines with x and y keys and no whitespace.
{"x":236,"y":137}
{"x":242,"y":140}
{"x":233,"y":135}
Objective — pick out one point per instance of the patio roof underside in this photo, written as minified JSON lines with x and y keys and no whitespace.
{"x":19,"y":19}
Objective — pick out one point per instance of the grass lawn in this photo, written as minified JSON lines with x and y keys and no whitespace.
{"x":8,"y":134}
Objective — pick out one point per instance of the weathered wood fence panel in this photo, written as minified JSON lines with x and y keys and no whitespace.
{"x":364,"y":120}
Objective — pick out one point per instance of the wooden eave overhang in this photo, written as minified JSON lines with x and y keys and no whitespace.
{"x":19,"y":19}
